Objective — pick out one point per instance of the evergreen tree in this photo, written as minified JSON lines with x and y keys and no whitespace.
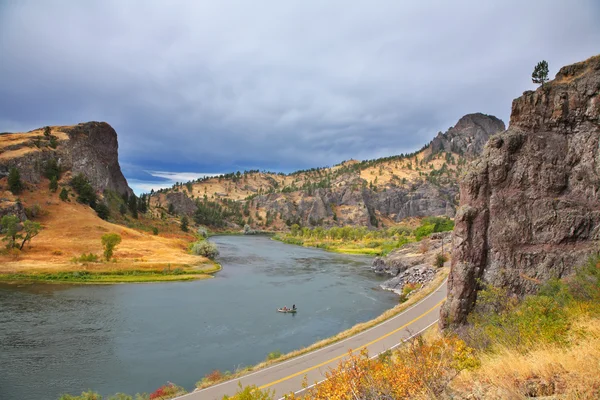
{"x":123,"y":209}
{"x":540,"y":73}
{"x":64,"y":194}
{"x":184,"y":223}
{"x":102,"y":210}
{"x":133,"y":202}
{"x":53,"y":186}
{"x":14,"y":181}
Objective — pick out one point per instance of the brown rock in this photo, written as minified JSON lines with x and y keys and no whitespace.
{"x":529,"y":206}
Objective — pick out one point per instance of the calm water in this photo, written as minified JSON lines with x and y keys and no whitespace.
{"x":134,"y":338}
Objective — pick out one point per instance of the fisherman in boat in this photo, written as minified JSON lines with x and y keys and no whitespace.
{"x":294,"y":307}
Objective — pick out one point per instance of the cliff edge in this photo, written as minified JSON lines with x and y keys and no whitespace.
{"x":529,"y":207}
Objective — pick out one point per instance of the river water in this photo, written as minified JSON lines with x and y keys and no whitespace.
{"x":132,"y":338}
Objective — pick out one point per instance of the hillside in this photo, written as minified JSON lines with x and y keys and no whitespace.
{"x":71,"y":225}
{"x":369,"y":193}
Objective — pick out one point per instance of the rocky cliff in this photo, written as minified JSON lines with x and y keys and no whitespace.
{"x":529,"y":206}
{"x":89,"y":148}
{"x":468,"y":136}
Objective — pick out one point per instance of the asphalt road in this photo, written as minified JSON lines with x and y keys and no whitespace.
{"x":287,"y":376}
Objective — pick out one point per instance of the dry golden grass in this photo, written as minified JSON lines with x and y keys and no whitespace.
{"x":23,"y":142}
{"x":569,"y":372}
{"x":71,"y":229}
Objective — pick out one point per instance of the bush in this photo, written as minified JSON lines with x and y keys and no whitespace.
{"x":91,"y":257}
{"x":274,"y":355}
{"x":205,"y":249}
{"x":440,"y":259}
{"x":167,"y":391}
{"x":424,"y":231}
{"x":64,"y":194}
{"x":202,"y":232}
{"x":154,"y":230}
{"x":185,"y":223}
{"x":85,"y":191}
{"x":251,"y":393}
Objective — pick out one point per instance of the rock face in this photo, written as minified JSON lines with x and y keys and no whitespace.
{"x":469,"y":135}
{"x":529,"y":206}
{"x":412,"y":263}
{"x":354,"y":204}
{"x":89,"y":148}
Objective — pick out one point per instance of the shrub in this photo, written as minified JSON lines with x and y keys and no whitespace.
{"x":251,"y":393}
{"x":206,"y":249}
{"x":202,"y":232}
{"x":64,"y":194}
{"x":168,"y":391}
{"x":440,"y":259}
{"x":91,"y":257}
{"x":53,"y":185}
{"x":424,"y":231}
{"x":85,"y":191}
{"x":154,"y":230}
{"x":274,"y":355}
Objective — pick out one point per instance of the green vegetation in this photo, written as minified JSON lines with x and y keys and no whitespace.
{"x":64,"y":194}
{"x":540,"y":73}
{"x":11,"y":227}
{"x":85,"y":192}
{"x":360,"y":240}
{"x":185,"y":223}
{"x":114,"y":275}
{"x":205,"y":248}
{"x":14,"y":181}
{"x":274,"y":355}
{"x":85,"y":258}
{"x":103,"y":211}
{"x":109,"y":242}
{"x":502,"y":321}
{"x":165,"y":392}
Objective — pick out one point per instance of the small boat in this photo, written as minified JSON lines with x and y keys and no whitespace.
{"x":289,"y":310}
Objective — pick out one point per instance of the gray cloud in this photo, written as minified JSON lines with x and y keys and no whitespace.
{"x":218,"y":86}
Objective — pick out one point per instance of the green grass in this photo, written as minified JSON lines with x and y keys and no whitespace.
{"x":118,"y":276}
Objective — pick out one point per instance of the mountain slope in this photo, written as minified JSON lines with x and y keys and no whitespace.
{"x":368,"y":193}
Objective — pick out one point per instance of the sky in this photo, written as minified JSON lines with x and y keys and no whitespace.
{"x":207,"y":87}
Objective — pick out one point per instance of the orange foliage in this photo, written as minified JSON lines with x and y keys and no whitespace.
{"x":416,"y":370}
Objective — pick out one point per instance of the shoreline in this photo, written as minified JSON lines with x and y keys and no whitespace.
{"x":112,"y":276}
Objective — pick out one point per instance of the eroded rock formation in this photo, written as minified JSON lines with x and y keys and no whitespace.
{"x":529,"y":207}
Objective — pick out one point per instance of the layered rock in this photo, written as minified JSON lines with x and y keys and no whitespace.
{"x":529,"y":206}
{"x":89,"y":148}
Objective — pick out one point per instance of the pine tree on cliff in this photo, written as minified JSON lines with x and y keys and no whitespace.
{"x":540,"y":73}
{"x":133,"y":206}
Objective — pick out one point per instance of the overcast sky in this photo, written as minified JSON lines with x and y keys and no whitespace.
{"x":218,"y":86}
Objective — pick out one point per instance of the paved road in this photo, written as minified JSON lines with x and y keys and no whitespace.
{"x":287,"y":376}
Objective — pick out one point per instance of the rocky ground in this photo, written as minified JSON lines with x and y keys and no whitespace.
{"x":413,"y":263}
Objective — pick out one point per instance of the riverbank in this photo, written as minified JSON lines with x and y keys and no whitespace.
{"x":110,"y":273}
{"x":216,"y":376}
{"x":362,"y":241}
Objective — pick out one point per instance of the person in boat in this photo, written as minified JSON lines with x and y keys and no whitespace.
{"x":294,"y":307}
{"x":284,"y":308}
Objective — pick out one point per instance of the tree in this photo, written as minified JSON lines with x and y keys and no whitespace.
{"x":122,"y":208}
{"x":171,"y":209}
{"x":32,"y":229}
{"x":133,"y":203}
{"x":110,"y":241}
{"x":184,"y":223}
{"x":64,"y":194}
{"x":47,"y":131}
{"x":14,"y":181}
{"x":10,"y":229}
{"x":540,"y":73}
{"x":102,"y":210}
{"x":53,"y":186}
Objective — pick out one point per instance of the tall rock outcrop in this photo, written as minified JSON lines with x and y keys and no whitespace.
{"x":89,"y":148}
{"x":468,"y":136}
{"x":529,"y":207}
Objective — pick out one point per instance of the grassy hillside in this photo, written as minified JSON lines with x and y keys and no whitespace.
{"x":71,"y":229}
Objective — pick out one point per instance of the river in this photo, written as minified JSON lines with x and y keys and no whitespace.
{"x":132,"y":338}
